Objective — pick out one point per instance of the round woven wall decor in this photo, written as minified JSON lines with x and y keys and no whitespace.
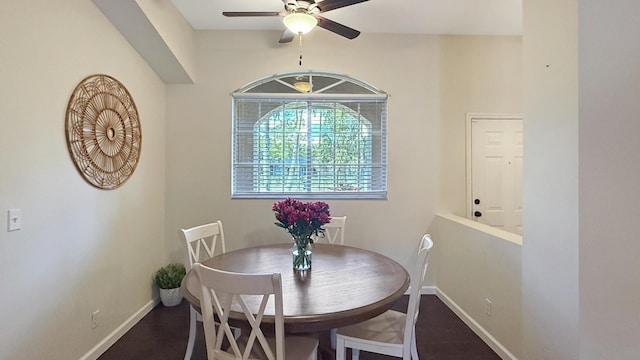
{"x":103,"y":131}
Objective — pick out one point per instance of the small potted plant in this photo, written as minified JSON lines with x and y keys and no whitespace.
{"x":168,"y":279}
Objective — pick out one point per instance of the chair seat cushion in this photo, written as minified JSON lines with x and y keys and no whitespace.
{"x":387,"y":327}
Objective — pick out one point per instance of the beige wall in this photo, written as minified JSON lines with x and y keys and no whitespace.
{"x":550,"y":300}
{"x":480,"y":74}
{"x":80,"y":248}
{"x":421,"y":74}
{"x":609,"y":194}
{"x":474,"y":263}
{"x":580,"y":270}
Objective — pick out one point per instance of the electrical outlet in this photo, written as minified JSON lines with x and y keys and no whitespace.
{"x":487,"y":307}
{"x":95,"y":319}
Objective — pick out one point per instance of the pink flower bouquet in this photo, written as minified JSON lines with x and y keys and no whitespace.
{"x":301,"y":219}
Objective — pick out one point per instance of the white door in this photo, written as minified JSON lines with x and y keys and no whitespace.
{"x":496,"y":171}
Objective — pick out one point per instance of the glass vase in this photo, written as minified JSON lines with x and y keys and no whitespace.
{"x":301,"y":253}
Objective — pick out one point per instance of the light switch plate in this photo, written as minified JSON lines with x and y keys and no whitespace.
{"x":14,"y":219}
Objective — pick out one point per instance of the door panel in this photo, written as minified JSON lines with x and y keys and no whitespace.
{"x":496,"y":172}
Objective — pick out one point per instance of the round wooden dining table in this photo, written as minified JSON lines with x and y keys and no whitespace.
{"x":345,"y":285}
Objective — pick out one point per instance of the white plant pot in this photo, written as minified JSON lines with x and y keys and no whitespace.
{"x":170,"y":297}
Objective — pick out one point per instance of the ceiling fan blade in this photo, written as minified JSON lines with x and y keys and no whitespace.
{"x":250,"y":13}
{"x":337,"y":28}
{"x":328,"y":5}
{"x":287,"y":36}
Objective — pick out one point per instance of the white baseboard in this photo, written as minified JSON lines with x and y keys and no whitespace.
{"x":116,"y":334}
{"x":493,"y":343}
{"x":426,"y":290}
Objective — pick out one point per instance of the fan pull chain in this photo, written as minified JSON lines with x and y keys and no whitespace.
{"x":300,"y":60}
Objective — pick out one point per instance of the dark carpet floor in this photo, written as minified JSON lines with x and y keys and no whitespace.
{"x":162,"y":334}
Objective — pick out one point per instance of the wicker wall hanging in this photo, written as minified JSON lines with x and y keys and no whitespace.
{"x":103,"y":131}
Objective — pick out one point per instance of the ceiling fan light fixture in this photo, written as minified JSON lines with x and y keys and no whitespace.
{"x":300,"y":23}
{"x":303,"y":86}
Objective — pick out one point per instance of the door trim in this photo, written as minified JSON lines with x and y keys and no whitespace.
{"x":470,"y":118}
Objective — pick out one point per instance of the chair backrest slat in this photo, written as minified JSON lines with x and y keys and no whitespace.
{"x":417,"y":280}
{"x":333,"y":231}
{"x":202,"y":242}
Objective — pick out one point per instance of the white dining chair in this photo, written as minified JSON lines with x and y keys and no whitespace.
{"x":247,"y":295}
{"x":333,"y":231}
{"x":392,"y":333}
{"x":201,"y":244}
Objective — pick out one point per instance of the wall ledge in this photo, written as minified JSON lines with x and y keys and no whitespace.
{"x":505,"y":235}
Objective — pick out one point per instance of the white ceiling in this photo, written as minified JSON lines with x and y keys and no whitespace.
{"x":471,"y":17}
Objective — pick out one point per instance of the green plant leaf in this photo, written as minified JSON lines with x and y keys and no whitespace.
{"x":170,"y":276}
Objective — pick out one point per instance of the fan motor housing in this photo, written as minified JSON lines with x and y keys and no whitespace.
{"x":309,"y":7}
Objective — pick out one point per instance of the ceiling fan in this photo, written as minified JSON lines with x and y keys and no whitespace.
{"x":300,"y":16}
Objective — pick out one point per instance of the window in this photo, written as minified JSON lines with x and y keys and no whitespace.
{"x":309,"y":135}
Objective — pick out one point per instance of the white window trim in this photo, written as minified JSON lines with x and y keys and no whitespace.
{"x":376,"y":95}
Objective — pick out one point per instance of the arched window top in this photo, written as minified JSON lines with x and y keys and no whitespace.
{"x":310,"y":82}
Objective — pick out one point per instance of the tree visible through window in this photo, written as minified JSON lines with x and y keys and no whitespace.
{"x":297,"y":143}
